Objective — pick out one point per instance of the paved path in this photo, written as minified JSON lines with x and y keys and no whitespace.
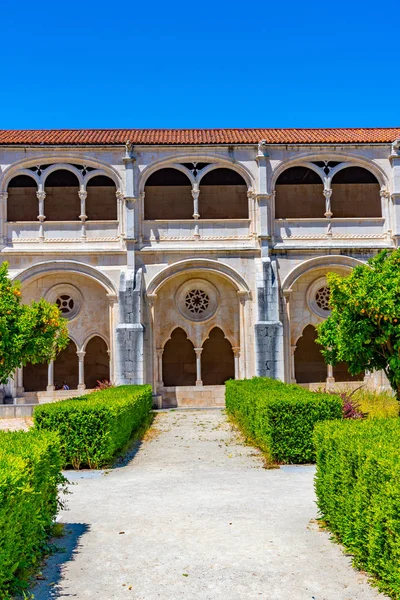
{"x":195,"y":516}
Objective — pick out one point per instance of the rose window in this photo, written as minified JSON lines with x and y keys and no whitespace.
{"x":65,"y":304}
{"x":322,"y":298}
{"x":197,"y":301}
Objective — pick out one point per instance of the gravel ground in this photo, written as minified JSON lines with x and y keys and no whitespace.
{"x":194,"y":515}
{"x":16,"y":424}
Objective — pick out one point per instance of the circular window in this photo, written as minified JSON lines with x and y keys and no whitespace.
{"x":68,"y":299}
{"x":197,"y":299}
{"x":318,"y":296}
{"x":322,"y":298}
{"x":65,"y":303}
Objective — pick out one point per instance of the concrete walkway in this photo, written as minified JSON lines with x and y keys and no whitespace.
{"x":194,"y":515}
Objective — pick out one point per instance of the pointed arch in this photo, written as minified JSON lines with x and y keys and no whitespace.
{"x":217,"y":360}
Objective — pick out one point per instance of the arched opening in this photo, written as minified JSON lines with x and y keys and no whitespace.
{"x":168,"y":195}
{"x":35,"y":377}
{"x":101,"y":201}
{"x":97,"y":362}
{"x":217,"y":361}
{"x":179,"y":360}
{"x":66,"y":367}
{"x":299,"y":194}
{"x":62,"y":202}
{"x":309,"y":363}
{"x":355,"y":193}
{"x":223,"y":195}
{"x":22,"y":202}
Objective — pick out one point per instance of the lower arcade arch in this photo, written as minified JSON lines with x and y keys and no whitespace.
{"x":35,"y":376}
{"x":178,"y":360}
{"x":217,"y":360}
{"x":97,"y":362}
{"x":310,"y":366}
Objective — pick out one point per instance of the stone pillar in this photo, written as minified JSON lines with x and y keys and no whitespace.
{"x":41,"y":195}
{"x":198,"y":352}
{"x":268,"y":329}
{"x":20,"y":381}
{"x":50,"y":377}
{"x":120,"y":214}
{"x":112,"y":300}
{"x":264,"y":196}
{"x":236,"y":358}
{"x":243,"y":296}
{"x":160,"y":382}
{"x":130,"y":205}
{"x":3,"y":218}
{"x":330,"y":380}
{"x":152,"y":300}
{"x":81,"y":365}
{"x":82,"y":197}
{"x":328,"y":211}
{"x":292,"y":365}
{"x":395,"y":162}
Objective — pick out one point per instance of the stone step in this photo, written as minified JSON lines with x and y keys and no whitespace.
{"x":10,"y":411}
{"x":27,"y":398}
{"x":193,"y":396}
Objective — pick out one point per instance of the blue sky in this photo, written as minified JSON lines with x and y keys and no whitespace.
{"x":205,"y":64}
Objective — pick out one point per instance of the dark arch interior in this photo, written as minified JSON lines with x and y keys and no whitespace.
{"x":179,"y":360}
{"x":35,"y":377}
{"x":97,"y":362}
{"x":66,"y":367}
{"x":217,"y":361}
{"x":299,"y":194}
{"x":101,"y":201}
{"x":168,"y":195}
{"x":355,"y":193}
{"x":62,"y":202}
{"x":223,"y":195}
{"x":22,"y":202}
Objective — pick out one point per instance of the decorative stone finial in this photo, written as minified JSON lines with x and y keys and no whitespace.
{"x":128,"y":149}
{"x":396,"y":148}
{"x":262,"y":148}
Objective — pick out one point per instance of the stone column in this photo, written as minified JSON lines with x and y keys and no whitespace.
{"x":385,"y":195}
{"x":112,"y":300}
{"x":264,"y":197}
{"x":328,"y":211}
{"x":292,"y":365}
{"x":41,"y":195}
{"x":20,"y":381}
{"x":82,"y":196}
{"x":152,"y":300}
{"x":130,"y":205}
{"x":330,"y":380}
{"x":120,"y":214}
{"x":198,"y":352}
{"x":160,"y":382}
{"x":3,"y":217}
{"x":196,"y":215}
{"x":243,"y":296}
{"x":50,"y":377}
{"x":395,"y":162}
{"x":81,"y":358}
{"x":236,"y":357}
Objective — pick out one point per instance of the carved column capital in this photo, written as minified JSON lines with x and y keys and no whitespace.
{"x":41,"y":195}
{"x":81,"y":355}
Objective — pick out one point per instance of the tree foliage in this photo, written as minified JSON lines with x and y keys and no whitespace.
{"x":364,"y":326}
{"x":32,"y":333}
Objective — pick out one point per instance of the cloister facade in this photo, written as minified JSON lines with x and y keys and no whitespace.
{"x":185,"y":258}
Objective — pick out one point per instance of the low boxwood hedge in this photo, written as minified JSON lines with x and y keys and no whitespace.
{"x":93,"y":428}
{"x":279,"y":417}
{"x":30,"y":472}
{"x":358,"y":491}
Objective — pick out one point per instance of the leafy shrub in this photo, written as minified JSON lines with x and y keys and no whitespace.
{"x":30,"y":472}
{"x":93,"y":428}
{"x":358,"y":490}
{"x":377,"y":404}
{"x":280,"y":418}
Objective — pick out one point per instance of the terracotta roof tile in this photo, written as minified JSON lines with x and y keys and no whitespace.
{"x":197,"y":136}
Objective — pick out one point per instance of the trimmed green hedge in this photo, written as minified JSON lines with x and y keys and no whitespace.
{"x":358,"y":490}
{"x":30,"y":472}
{"x":93,"y":428}
{"x":280,"y":418}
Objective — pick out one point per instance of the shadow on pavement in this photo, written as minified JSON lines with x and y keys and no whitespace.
{"x":49,"y":588}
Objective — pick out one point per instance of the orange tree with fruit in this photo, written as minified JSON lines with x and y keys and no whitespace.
{"x":364,"y":326}
{"x":29,"y":333}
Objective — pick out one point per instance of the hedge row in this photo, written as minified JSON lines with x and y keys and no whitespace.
{"x":93,"y":428}
{"x":358,"y":490}
{"x":280,"y":418}
{"x":30,"y":472}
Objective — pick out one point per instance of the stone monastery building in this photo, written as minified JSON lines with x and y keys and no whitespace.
{"x":183,"y":258}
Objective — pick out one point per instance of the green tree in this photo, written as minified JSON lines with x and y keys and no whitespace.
{"x":33,"y":332}
{"x":364,"y":326}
